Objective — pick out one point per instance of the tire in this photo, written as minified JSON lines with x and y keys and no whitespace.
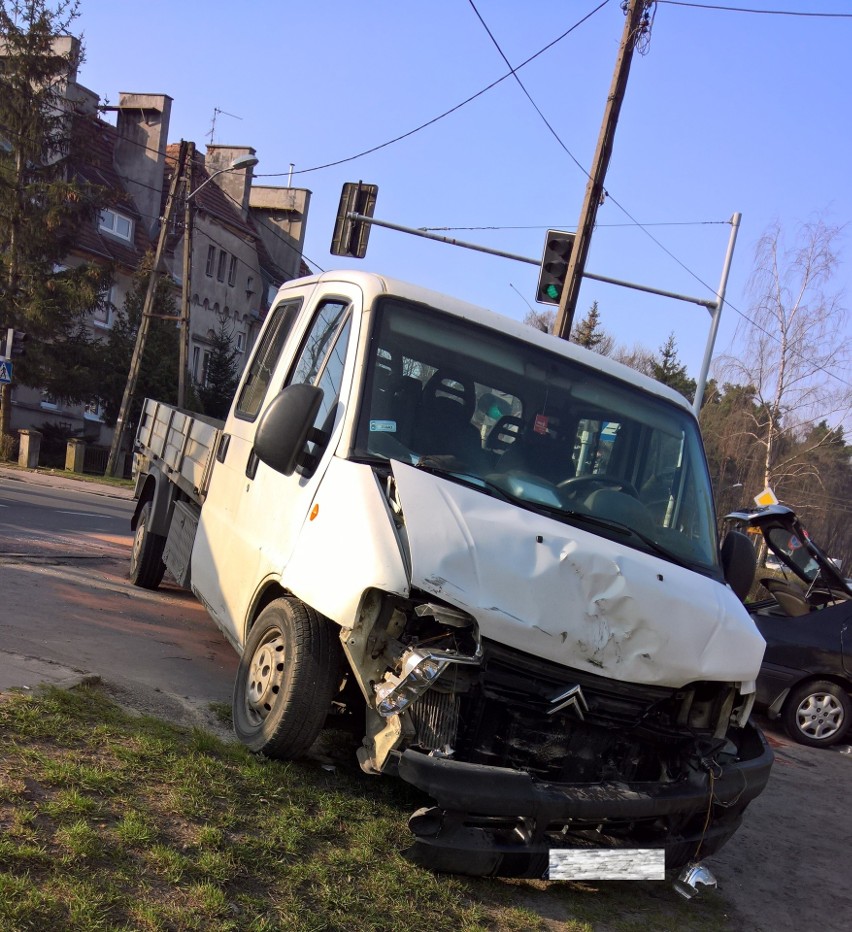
{"x":146,"y":555}
{"x":817,"y":713}
{"x":288,"y":674}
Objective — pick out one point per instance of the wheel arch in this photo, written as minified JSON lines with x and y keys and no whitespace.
{"x":161,"y":493}
{"x":844,"y":683}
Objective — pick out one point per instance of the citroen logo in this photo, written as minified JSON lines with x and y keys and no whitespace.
{"x":573,"y":699}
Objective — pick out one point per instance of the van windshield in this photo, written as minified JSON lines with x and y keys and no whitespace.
{"x":546,"y":432}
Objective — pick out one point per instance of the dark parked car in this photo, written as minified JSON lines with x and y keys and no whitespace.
{"x":806,"y":676}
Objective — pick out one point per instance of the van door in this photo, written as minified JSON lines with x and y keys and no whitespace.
{"x":252,"y":515}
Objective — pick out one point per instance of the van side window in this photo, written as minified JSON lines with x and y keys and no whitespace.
{"x":322,"y":358}
{"x":265,"y":359}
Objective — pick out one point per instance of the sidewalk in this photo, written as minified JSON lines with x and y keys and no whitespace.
{"x":59,"y":479}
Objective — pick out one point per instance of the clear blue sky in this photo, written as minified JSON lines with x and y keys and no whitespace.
{"x":726,"y":112}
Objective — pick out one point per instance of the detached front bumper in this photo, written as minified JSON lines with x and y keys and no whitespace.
{"x":493,"y":821}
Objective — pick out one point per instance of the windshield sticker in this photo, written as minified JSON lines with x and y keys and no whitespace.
{"x":382,"y":427}
{"x":540,"y":424}
{"x":793,"y":543}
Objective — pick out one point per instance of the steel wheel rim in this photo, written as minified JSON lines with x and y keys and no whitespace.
{"x":819,"y":716}
{"x":136,"y":552}
{"x":265,"y":677}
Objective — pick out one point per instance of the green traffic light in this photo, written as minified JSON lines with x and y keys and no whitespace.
{"x":552,"y":292}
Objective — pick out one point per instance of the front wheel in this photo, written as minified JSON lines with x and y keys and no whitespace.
{"x":146,"y":556}
{"x":818,"y":713}
{"x":288,"y":675}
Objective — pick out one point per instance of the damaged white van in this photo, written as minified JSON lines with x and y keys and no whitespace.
{"x":495,"y":549}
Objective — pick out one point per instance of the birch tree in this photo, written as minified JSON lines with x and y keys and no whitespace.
{"x":791,"y":349}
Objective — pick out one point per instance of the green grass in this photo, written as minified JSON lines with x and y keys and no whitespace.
{"x":115,"y":822}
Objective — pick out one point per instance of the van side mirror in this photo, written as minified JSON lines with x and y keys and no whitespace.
{"x":739,"y":563}
{"x":286,"y":426}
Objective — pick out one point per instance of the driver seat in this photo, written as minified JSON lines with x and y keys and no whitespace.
{"x":791,"y":599}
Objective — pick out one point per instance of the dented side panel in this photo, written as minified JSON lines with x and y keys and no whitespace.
{"x":567,"y":595}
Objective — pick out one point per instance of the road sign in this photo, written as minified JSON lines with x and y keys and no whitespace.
{"x":5,"y":373}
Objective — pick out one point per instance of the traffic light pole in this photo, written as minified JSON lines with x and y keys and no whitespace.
{"x":145,"y":322}
{"x":362,"y":218}
{"x":595,"y":187}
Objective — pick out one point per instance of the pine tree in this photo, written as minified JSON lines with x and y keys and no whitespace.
{"x":669,"y":370}
{"x":588,"y":333}
{"x":222,"y":376}
{"x":158,"y":373}
{"x":43,"y":200}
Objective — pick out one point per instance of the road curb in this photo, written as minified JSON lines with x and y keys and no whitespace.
{"x":25,"y":673}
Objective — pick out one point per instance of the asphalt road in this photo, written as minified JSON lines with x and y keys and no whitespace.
{"x":65,"y":599}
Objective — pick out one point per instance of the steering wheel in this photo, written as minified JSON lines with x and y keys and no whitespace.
{"x":574,"y":487}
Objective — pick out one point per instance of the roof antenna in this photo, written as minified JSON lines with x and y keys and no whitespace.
{"x":216,"y":111}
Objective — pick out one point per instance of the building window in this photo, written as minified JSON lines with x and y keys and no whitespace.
{"x":241,"y":342}
{"x":232,"y":271}
{"x":196,"y":352}
{"x":101,"y":313}
{"x":94,"y":410}
{"x":117,"y":224}
{"x":205,"y":366}
{"x":249,"y":286}
{"x":51,"y":402}
{"x":211,"y":260}
{"x":220,"y":271}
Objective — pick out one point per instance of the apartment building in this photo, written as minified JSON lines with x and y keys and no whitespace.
{"x":247,"y":239}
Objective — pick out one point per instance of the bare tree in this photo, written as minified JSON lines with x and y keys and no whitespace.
{"x":790,"y":349}
{"x":542,"y":319}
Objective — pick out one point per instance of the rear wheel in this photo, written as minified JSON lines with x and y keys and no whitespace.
{"x":146,"y":557}
{"x":288,"y":674}
{"x":818,"y":713}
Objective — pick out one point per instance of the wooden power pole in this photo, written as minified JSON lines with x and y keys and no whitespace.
{"x":634,"y":27}
{"x":185,"y":300}
{"x":145,"y":322}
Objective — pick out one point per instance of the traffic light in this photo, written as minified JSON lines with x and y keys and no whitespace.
{"x":16,"y":343}
{"x":350,"y":236}
{"x":554,"y":266}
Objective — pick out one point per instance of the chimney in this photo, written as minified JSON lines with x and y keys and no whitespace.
{"x":235,"y":184}
{"x":140,"y":150}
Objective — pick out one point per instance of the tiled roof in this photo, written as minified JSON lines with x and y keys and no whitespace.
{"x":99,"y":169}
{"x":211,"y":199}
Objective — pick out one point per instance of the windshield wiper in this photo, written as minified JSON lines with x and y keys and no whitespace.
{"x":466,"y":478}
{"x":649,"y":542}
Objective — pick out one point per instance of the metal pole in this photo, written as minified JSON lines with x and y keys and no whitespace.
{"x":144,"y":323}
{"x":709,"y":303}
{"x":633,"y":28}
{"x":183,"y":364}
{"x":717,"y":313}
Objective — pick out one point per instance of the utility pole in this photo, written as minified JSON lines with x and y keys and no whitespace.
{"x":186,"y":290}
{"x":636,"y":24}
{"x":145,"y":322}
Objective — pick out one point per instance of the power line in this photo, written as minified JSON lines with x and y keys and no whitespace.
{"x":526,"y":92}
{"x":446,"y":113}
{"x":738,"y":9}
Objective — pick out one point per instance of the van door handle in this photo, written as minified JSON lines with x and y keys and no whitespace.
{"x":222,"y":449}
{"x":251,"y":465}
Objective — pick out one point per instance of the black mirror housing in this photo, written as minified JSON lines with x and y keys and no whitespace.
{"x":285,"y":426}
{"x":739,"y":563}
